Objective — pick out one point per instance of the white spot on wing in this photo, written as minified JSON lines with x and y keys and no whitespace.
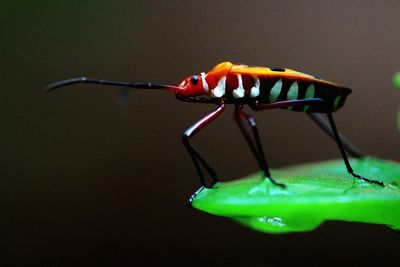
{"x":239,"y":92}
{"x":255,"y":90}
{"x":204,"y":82}
{"x":219,"y":90}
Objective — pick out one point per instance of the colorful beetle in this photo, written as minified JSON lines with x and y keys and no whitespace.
{"x":260,"y":88}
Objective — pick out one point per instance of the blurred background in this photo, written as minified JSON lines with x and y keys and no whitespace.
{"x":87,"y":181}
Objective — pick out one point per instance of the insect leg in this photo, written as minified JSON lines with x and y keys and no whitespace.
{"x":284,"y":104}
{"x":256,"y":148}
{"x":237,"y":117}
{"x":324,"y":125}
{"x":344,"y":156}
{"x":196,"y":157}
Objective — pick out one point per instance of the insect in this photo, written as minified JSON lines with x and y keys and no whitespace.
{"x":260,"y":88}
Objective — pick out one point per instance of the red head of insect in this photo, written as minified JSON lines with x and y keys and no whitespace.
{"x":191,"y":86}
{"x":196,"y":85}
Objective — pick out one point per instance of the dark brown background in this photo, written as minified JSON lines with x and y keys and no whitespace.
{"x":84,"y":180}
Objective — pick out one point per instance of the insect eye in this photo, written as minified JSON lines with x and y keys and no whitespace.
{"x":194,"y":80}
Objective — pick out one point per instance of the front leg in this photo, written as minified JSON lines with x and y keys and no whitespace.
{"x":194,"y":154}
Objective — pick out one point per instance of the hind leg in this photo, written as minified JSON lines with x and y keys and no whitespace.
{"x":344,"y":156}
{"x":326,"y":127}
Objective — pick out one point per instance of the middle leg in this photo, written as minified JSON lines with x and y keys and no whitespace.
{"x":256,"y":147}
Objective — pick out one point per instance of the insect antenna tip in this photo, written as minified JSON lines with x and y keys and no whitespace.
{"x":59,"y":84}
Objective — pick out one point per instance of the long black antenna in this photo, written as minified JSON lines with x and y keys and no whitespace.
{"x":63,"y":83}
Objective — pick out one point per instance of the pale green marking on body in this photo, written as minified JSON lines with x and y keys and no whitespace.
{"x":336,"y":102}
{"x":309,"y":94}
{"x":293,"y":93}
{"x":310,"y":91}
{"x":275,"y":91}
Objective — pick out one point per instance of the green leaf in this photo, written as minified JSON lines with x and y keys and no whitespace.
{"x":396,"y":80}
{"x":314,"y":193}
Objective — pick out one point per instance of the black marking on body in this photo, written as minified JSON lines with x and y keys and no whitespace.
{"x":278,"y":69}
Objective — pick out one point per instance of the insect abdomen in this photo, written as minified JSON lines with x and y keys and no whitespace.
{"x":275,"y":90}
{"x":247,"y":89}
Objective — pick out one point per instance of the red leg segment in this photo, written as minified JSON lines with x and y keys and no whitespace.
{"x":196,"y":157}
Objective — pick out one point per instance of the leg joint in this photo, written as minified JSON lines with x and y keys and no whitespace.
{"x":185,"y":138}
{"x":251,"y":121}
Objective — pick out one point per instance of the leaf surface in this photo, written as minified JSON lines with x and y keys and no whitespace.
{"x":314,"y":193}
